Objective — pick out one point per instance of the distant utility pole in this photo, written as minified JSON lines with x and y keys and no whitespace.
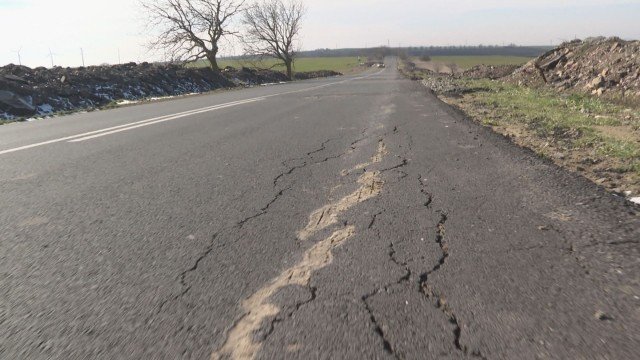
{"x":51,"y":56}
{"x":82,"y":54}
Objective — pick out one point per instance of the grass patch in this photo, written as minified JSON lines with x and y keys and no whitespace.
{"x":608,"y":146}
{"x":339,"y":64}
{"x":549,"y":113}
{"x":467,"y":62}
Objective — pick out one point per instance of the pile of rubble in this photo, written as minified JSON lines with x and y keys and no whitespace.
{"x":444,"y":84}
{"x":251,"y":77}
{"x":489,"y":71}
{"x":41,"y":91}
{"x":457,"y":84}
{"x":26,"y":92}
{"x":596,"y":65}
{"x":315,"y":74}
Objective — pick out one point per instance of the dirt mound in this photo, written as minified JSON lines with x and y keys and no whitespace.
{"x":597,"y":66}
{"x":489,"y":71}
{"x":26,"y":92}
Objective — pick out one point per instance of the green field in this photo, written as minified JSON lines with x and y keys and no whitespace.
{"x":339,"y":64}
{"x":467,"y":62}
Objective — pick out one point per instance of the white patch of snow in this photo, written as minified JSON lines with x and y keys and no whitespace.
{"x":127,"y":102}
{"x":40,"y":117}
{"x":160,"y":98}
{"x":635,"y":200}
{"x":170,"y":97}
{"x":155,"y":98}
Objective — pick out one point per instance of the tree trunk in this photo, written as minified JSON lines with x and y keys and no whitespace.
{"x":213,"y":62}
{"x":289,"y":64}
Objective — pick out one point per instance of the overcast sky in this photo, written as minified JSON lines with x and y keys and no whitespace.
{"x":103,"y":27}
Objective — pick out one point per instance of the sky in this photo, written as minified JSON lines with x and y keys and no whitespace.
{"x":114,"y":31}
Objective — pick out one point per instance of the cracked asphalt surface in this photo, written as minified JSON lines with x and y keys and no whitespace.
{"x":425,"y":235}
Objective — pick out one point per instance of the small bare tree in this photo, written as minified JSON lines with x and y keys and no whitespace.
{"x":191,"y":30}
{"x":272,"y":29}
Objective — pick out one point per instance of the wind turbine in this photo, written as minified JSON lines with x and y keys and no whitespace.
{"x":19,"y":58}
{"x":51,"y":57}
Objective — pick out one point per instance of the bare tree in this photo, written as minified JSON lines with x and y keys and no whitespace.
{"x":191,"y":30}
{"x":272,"y":29}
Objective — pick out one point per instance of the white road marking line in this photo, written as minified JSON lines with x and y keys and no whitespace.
{"x":87,"y":135}
{"x":35,"y":145}
{"x":110,"y":128}
{"x":166,"y":118}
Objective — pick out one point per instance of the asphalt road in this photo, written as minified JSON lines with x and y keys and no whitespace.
{"x":355,"y":217}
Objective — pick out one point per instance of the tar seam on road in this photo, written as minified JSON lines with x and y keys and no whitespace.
{"x":240,"y":343}
{"x":328,"y":215}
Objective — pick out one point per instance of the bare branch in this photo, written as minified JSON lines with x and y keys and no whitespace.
{"x":272,"y":28}
{"x":190,"y":30}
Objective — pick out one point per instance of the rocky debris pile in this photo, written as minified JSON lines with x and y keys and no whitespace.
{"x":41,"y":91}
{"x":26,"y":92}
{"x":411,"y":71}
{"x":489,"y":71}
{"x":445,"y":85}
{"x":251,"y":77}
{"x":596,"y":65}
{"x":315,"y":74}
